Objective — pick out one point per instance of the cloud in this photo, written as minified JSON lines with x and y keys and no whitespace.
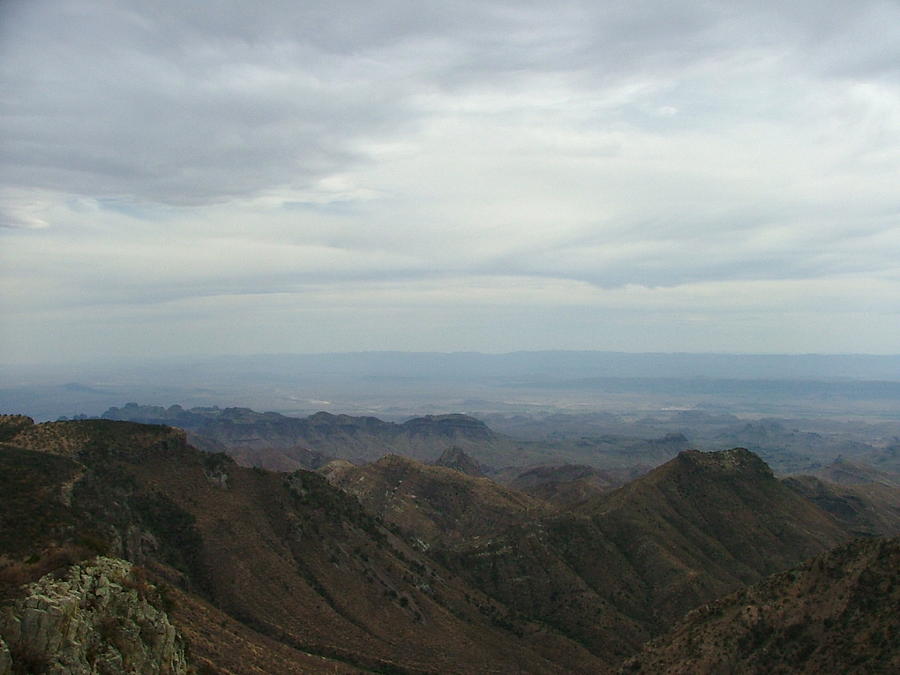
{"x":180,"y":105}
{"x":23,"y":208}
{"x":163,"y":154}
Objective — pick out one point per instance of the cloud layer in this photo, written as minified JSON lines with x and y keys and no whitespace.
{"x":486,"y":175}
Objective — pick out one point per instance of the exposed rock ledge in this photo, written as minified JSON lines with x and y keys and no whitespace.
{"x":101,"y":618}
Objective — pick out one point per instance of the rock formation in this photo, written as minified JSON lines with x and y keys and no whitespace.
{"x":102,"y":617}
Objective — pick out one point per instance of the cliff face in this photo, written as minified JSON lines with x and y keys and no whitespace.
{"x":101,"y":618}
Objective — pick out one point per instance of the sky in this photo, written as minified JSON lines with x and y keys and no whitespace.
{"x":647,"y":175}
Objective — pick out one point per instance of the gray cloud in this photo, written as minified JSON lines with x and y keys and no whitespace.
{"x":169,"y":153}
{"x":187,"y":105}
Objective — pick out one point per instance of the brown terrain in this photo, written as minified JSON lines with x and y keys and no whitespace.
{"x":287,"y":557}
{"x":396,"y":566}
{"x":837,"y":613}
{"x":567,"y":484}
{"x":439,"y":505}
{"x":619,"y":569}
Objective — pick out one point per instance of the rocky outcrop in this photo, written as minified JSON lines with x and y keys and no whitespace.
{"x":102,"y":617}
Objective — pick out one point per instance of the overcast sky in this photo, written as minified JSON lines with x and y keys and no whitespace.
{"x":236,"y":177}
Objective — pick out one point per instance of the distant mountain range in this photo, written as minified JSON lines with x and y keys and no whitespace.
{"x":279,"y":442}
{"x":402,"y":566}
{"x":283,"y":443}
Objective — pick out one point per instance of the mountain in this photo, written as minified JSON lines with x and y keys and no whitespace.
{"x":456,"y":458}
{"x":393,"y":566}
{"x":788,"y":449}
{"x":622,"y":567}
{"x":864,"y":509}
{"x":282,"y":443}
{"x":277,"y":442}
{"x":437,"y":504}
{"x":565,"y":484}
{"x":290,"y":571}
{"x":844,"y":472}
{"x":834,"y":614}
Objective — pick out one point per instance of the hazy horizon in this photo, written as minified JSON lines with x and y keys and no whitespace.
{"x":398,"y":384}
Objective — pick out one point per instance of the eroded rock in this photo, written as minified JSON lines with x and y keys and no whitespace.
{"x":102,"y":617}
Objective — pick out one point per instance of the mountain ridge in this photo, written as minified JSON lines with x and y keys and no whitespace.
{"x":295,"y":570}
{"x":310,"y":442}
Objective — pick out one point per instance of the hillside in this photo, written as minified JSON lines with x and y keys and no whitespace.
{"x":287,"y":557}
{"x":567,"y":484}
{"x":834,"y":614}
{"x":864,"y":509}
{"x":616,"y":570}
{"x":438,"y":504}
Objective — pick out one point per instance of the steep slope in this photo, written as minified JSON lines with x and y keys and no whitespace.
{"x":721,"y":513}
{"x":624,"y":566}
{"x":289,"y":559}
{"x":834,"y":614}
{"x":439,"y":505}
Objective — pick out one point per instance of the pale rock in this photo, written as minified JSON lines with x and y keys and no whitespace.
{"x":91,"y":622}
